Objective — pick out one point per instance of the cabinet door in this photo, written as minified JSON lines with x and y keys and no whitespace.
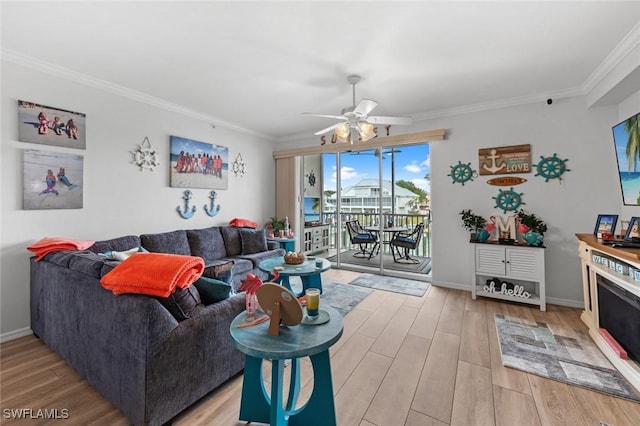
{"x":490,"y":260}
{"x":522,"y":263}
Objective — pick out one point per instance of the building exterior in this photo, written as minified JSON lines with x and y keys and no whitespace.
{"x":364,"y":197}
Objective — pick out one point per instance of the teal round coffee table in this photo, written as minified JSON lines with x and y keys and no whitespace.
{"x":309,"y":273}
{"x":292,"y":343}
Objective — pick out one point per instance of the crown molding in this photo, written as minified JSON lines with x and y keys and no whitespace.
{"x":621,"y":51}
{"x":80,"y":78}
{"x":498,"y":104}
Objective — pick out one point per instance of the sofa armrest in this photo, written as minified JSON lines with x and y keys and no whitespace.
{"x":104,"y":337}
{"x":272,"y":245}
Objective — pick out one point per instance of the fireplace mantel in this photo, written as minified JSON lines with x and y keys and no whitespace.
{"x":616,"y":269}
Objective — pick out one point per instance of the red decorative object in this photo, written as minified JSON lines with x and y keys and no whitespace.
{"x":613,"y":344}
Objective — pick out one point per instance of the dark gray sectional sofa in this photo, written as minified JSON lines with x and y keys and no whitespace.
{"x":146,"y":361}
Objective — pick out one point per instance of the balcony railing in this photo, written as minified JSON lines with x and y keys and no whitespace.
{"x":406,"y":221}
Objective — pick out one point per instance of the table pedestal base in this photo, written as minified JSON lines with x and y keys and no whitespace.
{"x":257,"y":406}
{"x":308,"y":281}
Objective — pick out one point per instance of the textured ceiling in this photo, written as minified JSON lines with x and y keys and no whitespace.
{"x":259,"y":65}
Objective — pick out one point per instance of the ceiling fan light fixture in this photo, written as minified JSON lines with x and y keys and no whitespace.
{"x":343,"y":132}
{"x":367,"y":131}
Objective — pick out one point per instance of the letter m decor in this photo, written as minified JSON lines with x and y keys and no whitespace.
{"x":505,"y":160}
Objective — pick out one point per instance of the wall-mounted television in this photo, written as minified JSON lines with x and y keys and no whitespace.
{"x":626,"y":137}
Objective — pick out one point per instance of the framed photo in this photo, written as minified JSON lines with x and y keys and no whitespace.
{"x":198,"y":164}
{"x":606,"y":224}
{"x":633,"y":230}
{"x":51,"y":126}
{"x":52,"y":180}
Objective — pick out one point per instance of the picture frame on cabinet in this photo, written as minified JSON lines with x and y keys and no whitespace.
{"x":633,"y":230}
{"x":606,"y":224}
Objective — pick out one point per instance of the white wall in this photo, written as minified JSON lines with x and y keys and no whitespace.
{"x":590,"y":187}
{"x":566,"y":127}
{"x":119,"y":199}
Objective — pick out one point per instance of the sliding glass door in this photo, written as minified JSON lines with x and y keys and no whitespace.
{"x":371,"y":199}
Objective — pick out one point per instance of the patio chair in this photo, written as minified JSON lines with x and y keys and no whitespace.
{"x":408,"y":241}
{"x":362,"y":237}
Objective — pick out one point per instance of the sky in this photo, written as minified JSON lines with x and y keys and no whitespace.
{"x":412,"y":163}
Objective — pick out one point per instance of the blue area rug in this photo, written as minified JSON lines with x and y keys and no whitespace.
{"x":559,"y":353}
{"x":342,"y":297}
{"x":396,"y":285}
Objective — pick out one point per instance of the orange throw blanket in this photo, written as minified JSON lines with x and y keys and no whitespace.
{"x":51,"y":244}
{"x":155,"y":274}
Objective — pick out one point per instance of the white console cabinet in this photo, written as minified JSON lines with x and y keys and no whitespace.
{"x":316,"y":239}
{"x":522,"y":266}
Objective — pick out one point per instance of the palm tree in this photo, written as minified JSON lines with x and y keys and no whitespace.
{"x":632,"y":127}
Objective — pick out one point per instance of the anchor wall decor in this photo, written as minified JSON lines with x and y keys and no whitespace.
{"x":214,"y":208}
{"x":505,"y":160}
{"x":186,"y":214}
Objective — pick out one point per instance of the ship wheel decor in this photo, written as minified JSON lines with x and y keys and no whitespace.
{"x":508,"y":200}
{"x":461,"y":173}
{"x":239,"y":168}
{"x":145,"y":157}
{"x":552,"y":167}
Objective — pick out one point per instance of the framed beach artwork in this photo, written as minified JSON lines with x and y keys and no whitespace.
{"x":633,"y":230}
{"x":52,"y":180}
{"x":197,"y":164}
{"x":605,"y":224}
{"x":51,"y":126}
{"x":625,"y":138}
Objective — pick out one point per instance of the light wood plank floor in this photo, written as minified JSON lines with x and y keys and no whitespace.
{"x":402,"y":360}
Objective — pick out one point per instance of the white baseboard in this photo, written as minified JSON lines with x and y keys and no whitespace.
{"x":550,"y":300}
{"x":455,"y":286}
{"x":5,"y":337}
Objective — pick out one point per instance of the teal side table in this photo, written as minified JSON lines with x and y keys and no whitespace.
{"x":293,"y":343}
{"x":309,"y":273}
{"x":288,"y":244}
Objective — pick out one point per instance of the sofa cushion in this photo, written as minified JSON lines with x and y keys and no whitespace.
{"x":256,"y":258}
{"x":253,"y":241}
{"x":175,"y":242}
{"x":183,"y":303}
{"x":122,"y":255}
{"x":212,"y":290}
{"x":206,"y":243}
{"x":219,"y":269}
{"x":232,"y":240}
{"x":117,"y":244}
{"x":240,"y":266}
{"x":83,"y":261}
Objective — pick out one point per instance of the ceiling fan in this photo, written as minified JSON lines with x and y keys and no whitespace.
{"x":357,"y":118}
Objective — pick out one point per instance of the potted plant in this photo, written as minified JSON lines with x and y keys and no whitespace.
{"x":475,"y":224}
{"x":531,"y":227}
{"x":276,"y":225}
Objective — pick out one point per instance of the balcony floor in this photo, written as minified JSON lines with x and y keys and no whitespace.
{"x":346,"y":257}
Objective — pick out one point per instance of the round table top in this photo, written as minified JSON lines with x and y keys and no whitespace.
{"x":293,"y":342}
{"x":392,"y":229}
{"x":308,"y":267}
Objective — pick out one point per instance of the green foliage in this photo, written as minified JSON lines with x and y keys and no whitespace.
{"x":276,"y":224}
{"x":413,"y":188}
{"x":471,"y":221}
{"x":534,"y":223}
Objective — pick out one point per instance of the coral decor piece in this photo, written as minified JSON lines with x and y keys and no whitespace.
{"x":250,"y":286}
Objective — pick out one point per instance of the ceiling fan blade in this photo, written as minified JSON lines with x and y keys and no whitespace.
{"x":365,"y":107}
{"x":399,"y":121}
{"x":323,"y":131}
{"x":337,"y":117}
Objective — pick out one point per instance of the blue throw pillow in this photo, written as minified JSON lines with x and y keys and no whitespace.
{"x":212,"y":290}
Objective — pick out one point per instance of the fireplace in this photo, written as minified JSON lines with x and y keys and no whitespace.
{"x":619,"y":314}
